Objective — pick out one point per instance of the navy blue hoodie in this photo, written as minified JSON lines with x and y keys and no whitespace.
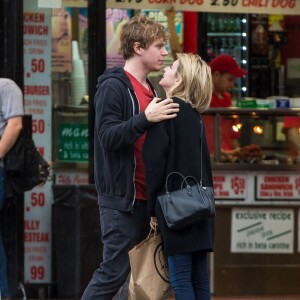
{"x":118,"y":124}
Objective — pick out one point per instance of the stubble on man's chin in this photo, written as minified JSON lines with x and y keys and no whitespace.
{"x":158,"y":69}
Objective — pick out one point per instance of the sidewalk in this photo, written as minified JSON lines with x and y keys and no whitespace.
{"x":283,"y":297}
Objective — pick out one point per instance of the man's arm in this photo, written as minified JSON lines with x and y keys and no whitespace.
{"x":114,"y":132}
{"x":293,"y":137}
{"x":10,"y":134}
{"x":174,"y":40}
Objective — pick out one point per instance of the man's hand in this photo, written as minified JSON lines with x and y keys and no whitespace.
{"x":170,"y":13}
{"x":293,"y":137}
{"x":158,"y":110}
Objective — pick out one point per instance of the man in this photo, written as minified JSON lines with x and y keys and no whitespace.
{"x":11,"y":111}
{"x":291,"y":129}
{"x":224,"y":70}
{"x":125,"y":109}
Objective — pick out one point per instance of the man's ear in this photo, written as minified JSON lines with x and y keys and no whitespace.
{"x":137,"y":48}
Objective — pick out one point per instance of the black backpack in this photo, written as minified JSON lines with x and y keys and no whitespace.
{"x":24,"y":167}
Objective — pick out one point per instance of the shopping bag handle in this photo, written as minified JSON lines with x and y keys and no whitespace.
{"x":152,"y":232}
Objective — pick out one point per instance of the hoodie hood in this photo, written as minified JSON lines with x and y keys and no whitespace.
{"x":117,"y":73}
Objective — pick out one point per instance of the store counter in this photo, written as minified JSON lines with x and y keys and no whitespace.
{"x":77,"y":248}
{"x":257,"y":194}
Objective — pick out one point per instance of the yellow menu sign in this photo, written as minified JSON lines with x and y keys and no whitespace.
{"x":286,"y":7}
{"x":76,"y":3}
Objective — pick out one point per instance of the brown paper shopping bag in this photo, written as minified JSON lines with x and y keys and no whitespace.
{"x":149,"y":271}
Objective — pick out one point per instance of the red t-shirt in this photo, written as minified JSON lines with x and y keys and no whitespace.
{"x":227,"y":133}
{"x":291,"y":122}
{"x":144,"y":96}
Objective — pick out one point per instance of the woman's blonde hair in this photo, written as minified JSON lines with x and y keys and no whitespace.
{"x":195,"y":82}
{"x":143,"y":30}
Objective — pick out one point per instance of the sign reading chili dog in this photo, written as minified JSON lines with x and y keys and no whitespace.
{"x":287,"y":7}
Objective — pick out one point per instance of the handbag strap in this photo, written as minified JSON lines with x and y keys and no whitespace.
{"x":185,"y":178}
{"x":201,"y":124}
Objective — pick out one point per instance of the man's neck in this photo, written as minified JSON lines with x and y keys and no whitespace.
{"x":135,"y":68}
{"x":219,"y":94}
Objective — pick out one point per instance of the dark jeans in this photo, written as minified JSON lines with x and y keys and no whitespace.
{"x":189,"y":276}
{"x":3,"y":267}
{"x":120,"y":233}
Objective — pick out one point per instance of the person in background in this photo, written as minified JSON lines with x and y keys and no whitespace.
{"x":225,"y":70}
{"x":11,"y":111}
{"x":175,"y":145}
{"x":125,"y":108}
{"x":291,"y":129}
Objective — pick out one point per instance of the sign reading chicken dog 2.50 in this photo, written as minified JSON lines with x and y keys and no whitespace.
{"x":262,"y":230}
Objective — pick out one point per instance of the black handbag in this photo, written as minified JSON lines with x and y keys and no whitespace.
{"x":188,"y":205}
{"x":24,"y":167}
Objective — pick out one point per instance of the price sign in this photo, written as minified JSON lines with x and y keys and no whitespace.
{"x":37,"y":99}
{"x":230,"y":186}
{"x":280,"y":186}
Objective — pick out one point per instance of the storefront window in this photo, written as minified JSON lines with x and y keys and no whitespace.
{"x":55,"y":94}
{"x":265,"y":105}
{"x":70,"y":97}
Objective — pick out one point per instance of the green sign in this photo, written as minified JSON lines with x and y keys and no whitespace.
{"x":73,"y":142}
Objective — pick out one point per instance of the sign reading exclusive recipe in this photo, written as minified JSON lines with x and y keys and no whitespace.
{"x":286,"y":7}
{"x":262,"y":230}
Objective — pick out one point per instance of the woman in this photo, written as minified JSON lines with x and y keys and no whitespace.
{"x":175,"y":145}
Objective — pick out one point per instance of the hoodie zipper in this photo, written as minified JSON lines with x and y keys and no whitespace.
{"x":133,"y":113}
{"x":134,"y":159}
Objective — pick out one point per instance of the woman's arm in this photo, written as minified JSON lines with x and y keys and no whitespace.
{"x":155,"y":152}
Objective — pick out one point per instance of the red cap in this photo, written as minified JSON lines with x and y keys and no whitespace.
{"x":227,"y":64}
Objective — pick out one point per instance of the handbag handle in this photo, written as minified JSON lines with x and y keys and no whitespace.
{"x":187,"y":177}
{"x":188,"y":187}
